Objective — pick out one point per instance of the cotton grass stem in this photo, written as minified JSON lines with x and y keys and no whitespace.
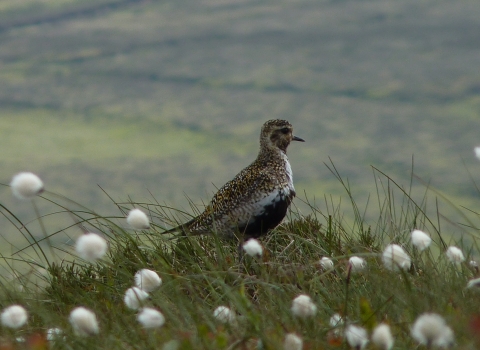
{"x":45,"y":234}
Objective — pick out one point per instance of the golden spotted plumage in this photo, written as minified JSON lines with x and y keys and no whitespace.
{"x":256,"y":200}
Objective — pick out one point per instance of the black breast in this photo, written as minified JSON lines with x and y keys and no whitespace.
{"x":271,"y":217}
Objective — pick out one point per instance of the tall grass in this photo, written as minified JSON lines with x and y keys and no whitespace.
{"x":202,"y":273}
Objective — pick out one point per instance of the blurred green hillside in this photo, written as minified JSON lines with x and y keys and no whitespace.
{"x":166,"y":98}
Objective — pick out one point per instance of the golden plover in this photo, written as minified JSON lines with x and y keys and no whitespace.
{"x":257,"y":199}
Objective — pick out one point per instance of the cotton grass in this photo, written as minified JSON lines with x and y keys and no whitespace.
{"x":26,"y":185}
{"x":420,"y":240}
{"x":147,"y":280}
{"x":134,"y":297}
{"x":382,"y":337}
{"x":54,"y":334}
{"x":474,"y":283}
{"x":476,"y":150}
{"x":91,"y":247}
{"x":395,"y":258}
{"x":224,"y":314}
{"x":357,"y":337}
{"x":14,"y":316}
{"x":150,"y":318}
{"x":292,"y":342}
{"x":357,"y":264}
{"x":303,"y":306}
{"x":431,"y":329}
{"x":455,"y":255}
{"x":336,"y":320}
{"x":84,"y":322}
{"x":253,"y":248}
{"x":138,"y":220}
{"x":326,"y":263}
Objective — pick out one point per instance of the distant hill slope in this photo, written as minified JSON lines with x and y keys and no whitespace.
{"x":167,"y":97}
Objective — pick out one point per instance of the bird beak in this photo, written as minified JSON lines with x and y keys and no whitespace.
{"x":296,"y":138}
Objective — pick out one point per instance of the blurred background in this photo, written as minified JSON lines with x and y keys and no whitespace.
{"x":164,"y":100}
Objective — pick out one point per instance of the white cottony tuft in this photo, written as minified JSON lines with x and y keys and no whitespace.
{"x":134,"y":297}
{"x":477,"y":152}
{"x":224,"y":315}
{"x":455,"y":255}
{"x":150,"y":318}
{"x":26,"y":185}
{"x":326,"y":263}
{"x":54,"y":334}
{"x":253,"y":247}
{"x":303,"y":306}
{"x":421,"y":240}
{"x":382,"y":337}
{"x":14,"y":316}
{"x":473,"y":264}
{"x":474,"y":283}
{"x":84,"y":322}
{"x":138,"y":220}
{"x":431,"y":330}
{"x":356,"y":336}
{"x":292,"y":342}
{"x":357,"y":264}
{"x":147,"y":280}
{"x":91,"y":246}
{"x":336,"y":321}
{"x":447,"y":340}
{"x":395,"y":258}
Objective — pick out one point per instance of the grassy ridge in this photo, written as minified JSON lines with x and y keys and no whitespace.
{"x":201,"y":273}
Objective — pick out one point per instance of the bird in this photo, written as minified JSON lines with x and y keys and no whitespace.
{"x":256,"y":200}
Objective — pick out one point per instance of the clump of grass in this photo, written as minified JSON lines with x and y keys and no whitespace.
{"x":200,"y":274}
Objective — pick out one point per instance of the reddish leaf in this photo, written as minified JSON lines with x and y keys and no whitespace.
{"x":37,"y":341}
{"x":334,"y":339}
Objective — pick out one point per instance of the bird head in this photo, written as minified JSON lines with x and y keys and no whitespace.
{"x":277,"y":134}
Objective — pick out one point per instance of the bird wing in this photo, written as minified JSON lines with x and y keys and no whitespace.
{"x":240,"y":200}
{"x":244,"y":190}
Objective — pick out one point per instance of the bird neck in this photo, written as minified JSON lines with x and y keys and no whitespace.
{"x":274,"y":146}
{"x":272,"y":154}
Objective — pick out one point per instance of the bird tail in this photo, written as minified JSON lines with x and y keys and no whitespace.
{"x":181,"y":229}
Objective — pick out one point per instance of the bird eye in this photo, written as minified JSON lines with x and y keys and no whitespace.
{"x":285,"y":130}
